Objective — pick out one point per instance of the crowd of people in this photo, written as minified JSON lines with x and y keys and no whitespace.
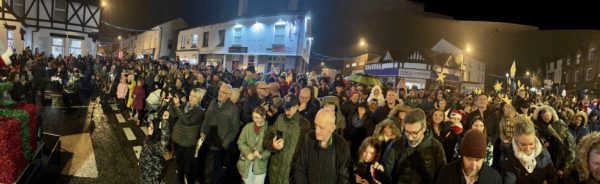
{"x":283,"y":127}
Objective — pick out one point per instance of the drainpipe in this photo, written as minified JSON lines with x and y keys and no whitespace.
{"x":159,"y":45}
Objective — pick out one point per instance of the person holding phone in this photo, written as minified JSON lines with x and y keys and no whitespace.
{"x":252,"y":164}
{"x":285,"y":145}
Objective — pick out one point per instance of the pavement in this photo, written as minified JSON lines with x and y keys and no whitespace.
{"x":98,"y":145}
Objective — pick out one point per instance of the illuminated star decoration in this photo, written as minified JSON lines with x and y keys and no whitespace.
{"x":498,"y":86}
{"x":505,"y":99}
{"x":478,"y":91}
{"x":441,"y":77}
{"x":521,"y":86}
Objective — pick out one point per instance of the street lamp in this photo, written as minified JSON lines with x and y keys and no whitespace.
{"x":103,"y":4}
{"x":364,"y":45}
{"x":119,"y":37}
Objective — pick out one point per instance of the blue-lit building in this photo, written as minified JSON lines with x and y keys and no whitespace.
{"x":265,"y":42}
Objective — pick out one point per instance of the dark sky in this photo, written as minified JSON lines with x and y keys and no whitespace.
{"x":385,"y":24}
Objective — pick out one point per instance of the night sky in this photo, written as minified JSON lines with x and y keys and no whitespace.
{"x":384,"y":24}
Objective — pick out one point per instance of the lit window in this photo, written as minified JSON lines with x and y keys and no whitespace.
{"x":58,"y":46}
{"x":75,"y":47}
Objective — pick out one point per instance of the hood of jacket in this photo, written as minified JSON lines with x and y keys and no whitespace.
{"x":536,"y":114}
{"x":583,"y":149}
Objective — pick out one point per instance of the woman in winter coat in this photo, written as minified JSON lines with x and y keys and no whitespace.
{"x":443,"y":132}
{"x":360,"y":127}
{"x":554,"y":135}
{"x":131,"y":83}
{"x":139,"y":95}
{"x":377,"y":94}
{"x":588,"y":155}
{"x":527,"y":161}
{"x":254,"y":158}
{"x":578,"y":126}
{"x":154,"y":151}
{"x":386,"y":132}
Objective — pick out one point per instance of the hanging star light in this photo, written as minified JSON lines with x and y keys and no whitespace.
{"x":478,"y":91}
{"x":521,"y":86}
{"x":498,"y":86}
{"x":505,"y":99}
{"x":441,"y":77}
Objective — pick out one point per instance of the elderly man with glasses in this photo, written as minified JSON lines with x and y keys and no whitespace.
{"x":417,"y":155}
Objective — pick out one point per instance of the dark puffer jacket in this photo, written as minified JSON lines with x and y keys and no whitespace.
{"x":561,"y":143}
{"x":405,"y":164}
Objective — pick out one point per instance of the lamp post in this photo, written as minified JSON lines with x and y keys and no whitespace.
{"x":364,"y":45}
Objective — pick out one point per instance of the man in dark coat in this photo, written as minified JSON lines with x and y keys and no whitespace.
{"x":416,"y":156}
{"x":470,"y":168}
{"x":382,"y":111}
{"x":39,"y":79}
{"x":324,"y":156}
{"x":220,"y":128}
{"x":307,"y":109}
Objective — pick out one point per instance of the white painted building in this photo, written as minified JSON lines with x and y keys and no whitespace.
{"x":265,"y":42}
{"x":473,"y":70}
{"x":554,"y":71}
{"x":158,"y":42}
{"x":57,"y":27}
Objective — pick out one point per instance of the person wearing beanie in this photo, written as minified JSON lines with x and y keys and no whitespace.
{"x":470,"y":168}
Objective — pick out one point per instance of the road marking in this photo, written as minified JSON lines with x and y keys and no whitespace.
{"x":144,"y":129}
{"x":137,"y":150}
{"x":129,"y":134}
{"x":120,"y":118}
{"x":114,"y":107}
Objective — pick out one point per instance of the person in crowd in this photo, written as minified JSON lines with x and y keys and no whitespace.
{"x":260,"y":99}
{"x":367,"y":168}
{"x":578,"y":126}
{"x":339,"y":91}
{"x":377,"y":95}
{"x":588,"y":161}
{"x":359,"y":127}
{"x":428,"y":102}
{"x":284,"y":139}
{"x":237,"y":81}
{"x":350,"y":105}
{"x":470,"y":168}
{"x":139,"y":95}
{"x":331,"y":103}
{"x":386,"y":132}
{"x":220,"y":129}
{"x":443,"y":133}
{"x":186,"y":132}
{"x":412,"y":100}
{"x":254,"y":158}
{"x":555,"y":137}
{"x":594,"y":121}
{"x":131,"y":83}
{"x":373,"y":105}
{"x":417,"y":156}
{"x":323,"y":156}
{"x":478,"y":125}
{"x":398,"y":114}
{"x":306,"y":108}
{"x":154,"y":152}
{"x":383,"y":111}
{"x":323,"y":88}
{"x":527,"y":161}
{"x":492,"y":122}
{"x":507,"y":125}
{"x":521,"y":102}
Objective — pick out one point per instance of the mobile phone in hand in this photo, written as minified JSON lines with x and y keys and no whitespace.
{"x":279,"y":134}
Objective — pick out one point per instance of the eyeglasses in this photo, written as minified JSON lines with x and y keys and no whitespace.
{"x":413,"y":134}
{"x":263,"y":88}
